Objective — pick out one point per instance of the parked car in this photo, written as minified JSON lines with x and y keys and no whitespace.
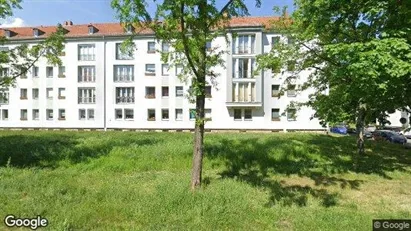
{"x":339,"y":130}
{"x":406,"y":133}
{"x":389,"y":136}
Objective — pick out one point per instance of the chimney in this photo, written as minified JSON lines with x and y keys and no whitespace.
{"x":68,"y":23}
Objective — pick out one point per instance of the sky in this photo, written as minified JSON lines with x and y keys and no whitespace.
{"x":51,"y":12}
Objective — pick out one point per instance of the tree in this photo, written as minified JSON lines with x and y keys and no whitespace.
{"x":18,"y":60}
{"x":188,"y":26}
{"x":359,"y":53}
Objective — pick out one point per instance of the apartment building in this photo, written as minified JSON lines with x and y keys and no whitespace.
{"x":100,"y":87}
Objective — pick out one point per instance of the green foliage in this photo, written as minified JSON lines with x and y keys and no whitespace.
{"x":136,"y":181}
{"x":359,"y":53}
{"x":18,"y":60}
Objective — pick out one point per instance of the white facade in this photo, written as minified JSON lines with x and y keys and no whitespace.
{"x":107,"y":91}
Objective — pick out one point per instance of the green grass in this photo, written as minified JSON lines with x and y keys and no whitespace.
{"x":140,"y":181}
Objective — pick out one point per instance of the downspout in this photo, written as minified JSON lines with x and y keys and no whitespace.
{"x":105,"y":93}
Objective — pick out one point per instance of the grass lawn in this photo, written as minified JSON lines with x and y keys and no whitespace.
{"x":140,"y":181}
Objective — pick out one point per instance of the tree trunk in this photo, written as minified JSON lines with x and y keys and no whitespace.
{"x":360,"y":135}
{"x":198,"y":143}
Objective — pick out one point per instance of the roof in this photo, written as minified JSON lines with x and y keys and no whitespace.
{"x":116,"y":29}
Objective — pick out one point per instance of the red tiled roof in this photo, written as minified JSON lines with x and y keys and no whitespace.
{"x":112,"y":29}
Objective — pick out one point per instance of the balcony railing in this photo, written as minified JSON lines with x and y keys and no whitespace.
{"x":125,"y":99}
{"x":87,"y":78}
{"x":86,"y":100}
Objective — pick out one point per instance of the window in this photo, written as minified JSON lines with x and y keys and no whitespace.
{"x":150,"y":69}
{"x":165,"y":69}
{"x":179,"y":114}
{"x":23,"y":114}
{"x":86,"y":74}
{"x":208,"y":91}
{"x":49,"y":93}
{"x":4,"y":96}
{"x":244,"y":92}
{"x":86,"y":52}
{"x":192,"y":114}
{"x":275,"y":90}
{"x":36,"y":114}
{"x":245,"y":44}
{"x":275,"y":114}
{"x":208,"y":46}
{"x":23,"y":75}
{"x":62,"y":72}
{"x":49,"y":114}
{"x":82,"y":114}
{"x":165,"y":47}
{"x":23,"y":93}
{"x":124,"y":94}
{"x":275,"y":41}
{"x":150,"y":92}
{"x":179,"y":69}
{"x":123,"y":73}
{"x":35,"y":93}
{"x":62,"y":93}
{"x":124,"y":54}
{"x":248,"y":114}
{"x":179,"y":91}
{"x":118,"y":114}
{"x":86,"y":95}
{"x":164,"y":114}
{"x":164,"y":92}
{"x":91,"y":29}
{"x":90,"y":114}
{"x":151,"y":114}
{"x":35,"y":32}
{"x":49,"y":72}
{"x":35,"y":72}
{"x":244,"y":68}
{"x":151,"y":47}
{"x":5,"y":114}
{"x":291,"y":92}
{"x":290,"y":40}
{"x":237,"y":114}
{"x":207,"y":114}
{"x":62,"y":114}
{"x":291,"y":114}
{"x":129,"y":114}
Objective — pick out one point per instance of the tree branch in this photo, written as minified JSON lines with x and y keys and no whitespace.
{"x":184,"y":38}
{"x":221,"y":12}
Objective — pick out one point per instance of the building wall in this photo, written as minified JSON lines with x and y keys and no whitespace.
{"x":104,"y":108}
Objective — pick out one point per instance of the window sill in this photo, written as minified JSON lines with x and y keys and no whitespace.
{"x":23,"y":119}
{"x":291,"y":95}
{"x":164,"y":97}
{"x":165,"y":119}
{"x":23,"y":98}
{"x":150,"y":74}
{"x":275,"y":96}
{"x":165,"y":75}
{"x":129,"y":119}
{"x":276,"y":119}
{"x":49,"y":119}
{"x":151,"y":52}
{"x":151,"y":119}
{"x":62,"y":118}
{"x":49,"y":77}
{"x":238,"y":120}
{"x":62,"y":76}
{"x":62,"y":97}
{"x":150,"y":97}
{"x":248,"y":119}
{"x":49,"y":97}
{"x":90,"y":119}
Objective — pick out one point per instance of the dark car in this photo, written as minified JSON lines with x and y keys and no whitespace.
{"x":389,"y":136}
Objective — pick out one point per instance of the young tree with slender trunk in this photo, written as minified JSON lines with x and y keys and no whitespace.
{"x":188,"y":26}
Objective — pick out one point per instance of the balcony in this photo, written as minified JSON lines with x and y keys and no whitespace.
{"x":87,"y":100}
{"x":124,"y":99}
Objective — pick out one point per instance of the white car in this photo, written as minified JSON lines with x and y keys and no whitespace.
{"x":406,"y":133}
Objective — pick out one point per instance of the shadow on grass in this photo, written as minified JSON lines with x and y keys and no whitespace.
{"x":317,"y":157}
{"x":48,"y":150}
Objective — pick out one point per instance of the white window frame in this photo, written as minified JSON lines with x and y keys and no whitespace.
{"x":86,"y":52}
{"x":86,"y":74}
{"x":125,"y":95}
{"x":123,"y":73}
{"x":86,"y":95}
{"x":179,"y":116}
